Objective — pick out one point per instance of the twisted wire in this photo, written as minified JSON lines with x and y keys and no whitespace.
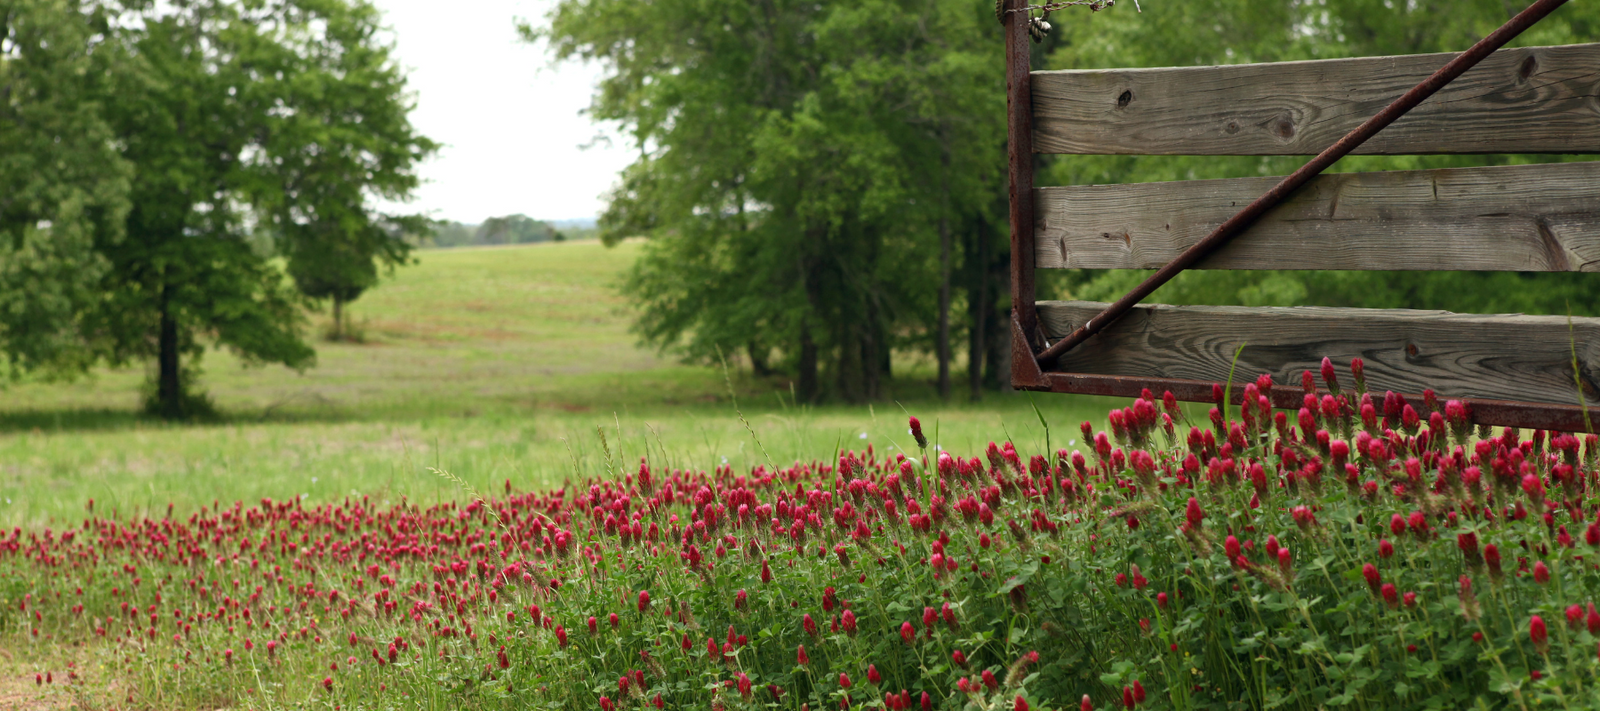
{"x":1095,"y":5}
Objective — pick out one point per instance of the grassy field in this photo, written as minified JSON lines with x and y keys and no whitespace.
{"x":515,"y":365}
{"x":491,"y":363}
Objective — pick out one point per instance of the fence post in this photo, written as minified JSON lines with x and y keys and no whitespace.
{"x":1019,"y":151}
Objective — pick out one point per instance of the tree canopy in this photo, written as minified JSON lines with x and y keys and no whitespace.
{"x":507,"y":229}
{"x":62,"y":183}
{"x":796,"y":158}
{"x":202,"y":141}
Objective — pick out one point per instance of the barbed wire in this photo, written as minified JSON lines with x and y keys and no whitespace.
{"x":1093,"y":5}
{"x":1038,"y":26}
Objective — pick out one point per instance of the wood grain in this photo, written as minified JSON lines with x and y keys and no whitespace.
{"x":1019,"y":156}
{"x":1530,"y":218}
{"x":1527,"y":100}
{"x":1496,"y":357}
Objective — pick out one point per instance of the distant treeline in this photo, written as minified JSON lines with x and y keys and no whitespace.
{"x":511,"y":229}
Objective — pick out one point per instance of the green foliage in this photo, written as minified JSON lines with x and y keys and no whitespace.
{"x":448,"y":233}
{"x":509,"y":229}
{"x":285,"y":115}
{"x":61,"y":184}
{"x":153,"y":146}
{"x":798,"y":159}
{"x":339,"y":265}
{"x":515,"y":229}
{"x":1238,"y":31}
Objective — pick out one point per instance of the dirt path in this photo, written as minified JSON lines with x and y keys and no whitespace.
{"x":19,"y":692}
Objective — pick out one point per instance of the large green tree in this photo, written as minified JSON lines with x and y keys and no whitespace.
{"x":62,"y":183}
{"x":805,"y":169}
{"x":282,"y":117}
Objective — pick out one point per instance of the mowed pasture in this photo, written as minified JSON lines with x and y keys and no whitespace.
{"x":490,"y":363}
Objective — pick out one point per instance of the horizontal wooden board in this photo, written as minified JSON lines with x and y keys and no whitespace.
{"x":1528,"y":100}
{"x":1493,"y":357}
{"x":1533,"y":218}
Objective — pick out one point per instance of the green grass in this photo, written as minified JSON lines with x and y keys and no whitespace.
{"x":493,"y":363}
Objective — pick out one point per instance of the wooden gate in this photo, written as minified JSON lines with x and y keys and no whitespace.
{"x":1515,"y":370}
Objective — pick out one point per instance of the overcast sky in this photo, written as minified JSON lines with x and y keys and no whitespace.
{"x":508,"y":119}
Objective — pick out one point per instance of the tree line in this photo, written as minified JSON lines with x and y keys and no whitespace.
{"x":180,"y":175}
{"x":822,"y":182}
{"x":508,"y":229}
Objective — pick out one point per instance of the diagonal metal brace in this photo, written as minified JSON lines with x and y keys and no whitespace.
{"x":1246,"y":217}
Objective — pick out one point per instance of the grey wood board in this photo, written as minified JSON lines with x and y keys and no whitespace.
{"x":1497,"y":357}
{"x":1526,"y":100}
{"x":1532,"y":218}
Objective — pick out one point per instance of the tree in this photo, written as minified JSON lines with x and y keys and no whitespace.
{"x":338,"y":266}
{"x":514,"y":229}
{"x":281,"y":115}
{"x":341,"y":265}
{"x":62,"y":184}
{"x":447,"y":233}
{"x":510,"y":229}
{"x":348,"y":138}
{"x":800,"y":161}
{"x":330,"y":270}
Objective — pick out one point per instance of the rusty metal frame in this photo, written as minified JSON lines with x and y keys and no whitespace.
{"x":1019,"y":151}
{"x":1030,"y":351}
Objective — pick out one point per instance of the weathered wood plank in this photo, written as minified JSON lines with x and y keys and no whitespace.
{"x":1533,"y":218}
{"x":1495,"y":357}
{"x":1527,"y":100}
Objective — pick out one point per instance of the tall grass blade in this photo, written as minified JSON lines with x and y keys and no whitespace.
{"x":1577,"y":378}
{"x":733,"y":396}
{"x":1047,"y":450}
{"x":1227,"y":388}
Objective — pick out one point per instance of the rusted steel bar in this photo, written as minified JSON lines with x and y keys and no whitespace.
{"x":1239,"y":222}
{"x":1564,"y":418}
{"x":1019,"y":151}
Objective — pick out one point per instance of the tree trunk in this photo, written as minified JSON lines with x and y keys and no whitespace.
{"x":944,"y":308}
{"x":810,"y":390}
{"x":847,"y":368}
{"x":978,"y":305}
{"x":997,"y":372}
{"x":338,"y":318}
{"x":758,"y":360}
{"x":169,"y":389}
{"x":885,"y":361}
{"x":871,"y":363}
{"x":808,"y":365}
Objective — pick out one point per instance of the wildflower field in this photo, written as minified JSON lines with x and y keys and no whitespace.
{"x":1364,"y":552}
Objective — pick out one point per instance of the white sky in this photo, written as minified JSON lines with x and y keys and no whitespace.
{"x":508,"y":117}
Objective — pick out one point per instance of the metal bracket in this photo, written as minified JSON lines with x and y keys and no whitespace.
{"x":1025,"y":372}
